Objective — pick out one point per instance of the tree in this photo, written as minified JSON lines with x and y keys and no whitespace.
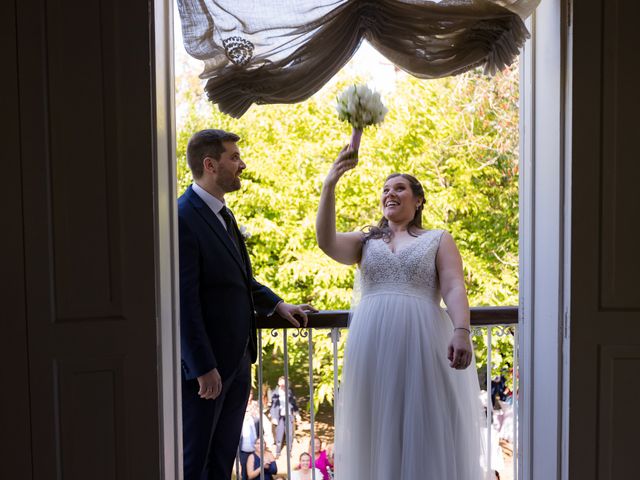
{"x":458,"y":135}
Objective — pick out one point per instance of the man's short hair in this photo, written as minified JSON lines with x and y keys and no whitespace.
{"x":206,"y":143}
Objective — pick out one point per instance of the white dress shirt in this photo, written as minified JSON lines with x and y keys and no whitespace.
{"x":212,"y":202}
{"x":249,"y":434}
{"x":282,"y":402}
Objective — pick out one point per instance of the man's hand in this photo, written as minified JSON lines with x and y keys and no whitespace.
{"x":289,"y":312}
{"x":210,"y":385}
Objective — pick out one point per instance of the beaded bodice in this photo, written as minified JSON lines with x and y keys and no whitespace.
{"x":410,"y":270}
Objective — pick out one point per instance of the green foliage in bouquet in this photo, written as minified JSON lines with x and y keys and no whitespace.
{"x":458,"y":136}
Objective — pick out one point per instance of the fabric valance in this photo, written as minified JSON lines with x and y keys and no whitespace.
{"x":283,"y":51}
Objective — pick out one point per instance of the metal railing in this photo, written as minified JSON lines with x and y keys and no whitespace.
{"x":488,"y":322}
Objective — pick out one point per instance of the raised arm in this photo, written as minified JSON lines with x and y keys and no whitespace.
{"x":451,"y":276}
{"x":343,"y":247}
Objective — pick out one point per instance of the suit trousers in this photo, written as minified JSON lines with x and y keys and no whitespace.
{"x":211,"y":428}
{"x":280,"y":433}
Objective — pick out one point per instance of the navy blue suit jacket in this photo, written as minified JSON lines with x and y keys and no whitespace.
{"x":218,"y":295}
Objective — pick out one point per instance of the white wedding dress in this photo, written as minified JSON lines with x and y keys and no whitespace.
{"x":403,"y":413}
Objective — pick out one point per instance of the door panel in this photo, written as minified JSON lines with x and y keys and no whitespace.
{"x":605,"y":305}
{"x":619,"y":373}
{"x":15,"y":419}
{"x":87,"y":165}
{"x":620,"y":170}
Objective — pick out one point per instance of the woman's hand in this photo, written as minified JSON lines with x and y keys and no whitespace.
{"x":460,"y":350}
{"x":347,"y":160}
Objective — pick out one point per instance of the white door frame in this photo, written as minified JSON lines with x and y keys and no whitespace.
{"x":166,"y":247}
{"x":544,"y":242}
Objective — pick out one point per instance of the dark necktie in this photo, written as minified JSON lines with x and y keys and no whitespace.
{"x":225,"y":213}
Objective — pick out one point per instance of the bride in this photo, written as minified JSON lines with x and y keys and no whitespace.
{"x":408,"y":406}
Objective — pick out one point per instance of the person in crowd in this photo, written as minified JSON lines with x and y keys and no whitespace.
{"x":319,"y":458}
{"x":266,"y":395}
{"x":499,"y":390}
{"x":305,"y":471}
{"x":248,"y":438}
{"x":279,"y":414}
{"x":331,"y":459}
{"x":261,"y":460}
{"x":250,"y":429}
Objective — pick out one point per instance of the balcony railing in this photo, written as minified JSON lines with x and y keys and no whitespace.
{"x":487,"y":323}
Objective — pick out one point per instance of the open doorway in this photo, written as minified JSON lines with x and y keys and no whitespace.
{"x":309,"y":165}
{"x":458,"y":136}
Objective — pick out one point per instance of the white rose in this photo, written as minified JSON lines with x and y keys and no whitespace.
{"x":372,"y":105}
{"x":352,"y":109}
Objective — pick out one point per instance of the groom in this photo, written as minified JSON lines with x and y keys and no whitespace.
{"x":218,"y":301}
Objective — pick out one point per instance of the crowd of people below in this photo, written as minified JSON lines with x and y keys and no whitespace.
{"x":260,"y":454}
{"x":256,"y":455}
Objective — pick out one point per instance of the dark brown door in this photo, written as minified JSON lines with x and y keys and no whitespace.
{"x":80,"y":395}
{"x":15,"y":432}
{"x":605,"y":251}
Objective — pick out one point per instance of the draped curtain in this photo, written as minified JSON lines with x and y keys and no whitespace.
{"x":283,"y":51}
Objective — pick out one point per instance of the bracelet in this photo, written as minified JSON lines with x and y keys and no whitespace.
{"x":462,"y":328}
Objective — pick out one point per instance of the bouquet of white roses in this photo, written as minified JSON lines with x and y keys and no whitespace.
{"x":361,"y":107}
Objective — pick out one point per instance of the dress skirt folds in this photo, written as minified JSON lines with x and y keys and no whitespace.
{"x":403,"y":413}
